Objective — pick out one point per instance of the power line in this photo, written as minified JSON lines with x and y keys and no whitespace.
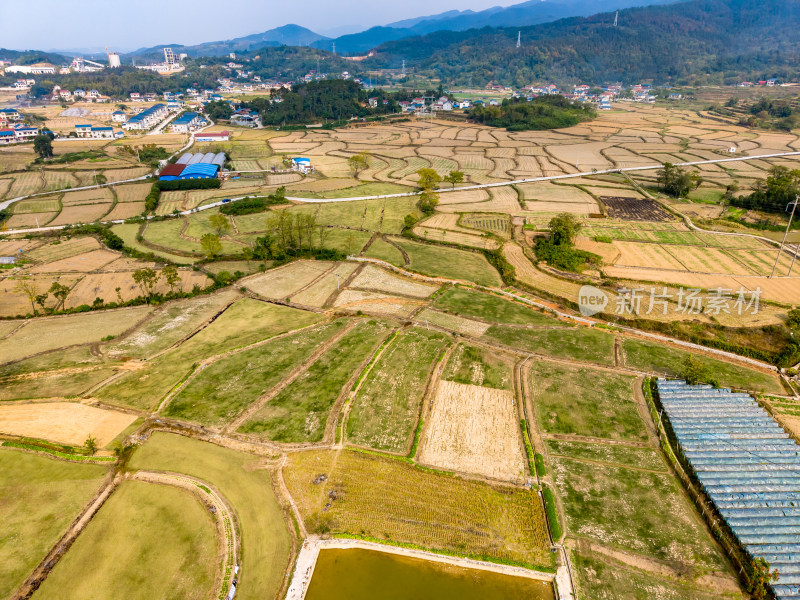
{"x":786,"y":233}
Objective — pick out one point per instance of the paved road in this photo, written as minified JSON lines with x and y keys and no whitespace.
{"x":415,"y":193}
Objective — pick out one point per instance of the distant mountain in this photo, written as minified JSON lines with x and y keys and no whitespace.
{"x":528,"y":13}
{"x":701,"y":41}
{"x":28,"y":57}
{"x":288,"y":35}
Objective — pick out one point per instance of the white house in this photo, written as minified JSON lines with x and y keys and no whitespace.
{"x":118,"y":116}
{"x":23,"y":134}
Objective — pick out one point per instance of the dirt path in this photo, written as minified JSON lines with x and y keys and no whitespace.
{"x":43,"y":569}
{"x":286,"y":381}
{"x":224,"y":517}
{"x":566,"y":437}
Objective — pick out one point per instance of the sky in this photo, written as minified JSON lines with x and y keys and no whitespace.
{"x":125,"y":26}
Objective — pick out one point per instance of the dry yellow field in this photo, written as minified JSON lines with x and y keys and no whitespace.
{"x":377,"y":303}
{"x":473,"y":429}
{"x":283,"y":282}
{"x":63,"y":422}
{"x":377,"y":279}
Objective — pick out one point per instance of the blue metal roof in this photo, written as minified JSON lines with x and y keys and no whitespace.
{"x":199,"y":171}
{"x":102,"y":128}
{"x":185,"y":118}
{"x":6,"y":133}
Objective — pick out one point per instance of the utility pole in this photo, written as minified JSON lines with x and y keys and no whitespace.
{"x":785,"y":233}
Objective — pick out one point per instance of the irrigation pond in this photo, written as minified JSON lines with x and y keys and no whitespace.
{"x":360,"y":574}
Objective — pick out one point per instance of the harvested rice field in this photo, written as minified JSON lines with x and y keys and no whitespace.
{"x":475,"y":430}
{"x":380,"y":280}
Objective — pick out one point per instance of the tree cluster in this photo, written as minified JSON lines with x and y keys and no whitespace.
{"x":774,"y":193}
{"x":544,"y":112}
{"x":558,"y":250}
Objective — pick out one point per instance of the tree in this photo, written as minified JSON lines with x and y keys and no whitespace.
{"x":695,"y":372}
{"x":146,"y":279}
{"x":220,"y":224}
{"x":564,"y":229}
{"x":91,"y":445}
{"x":247,"y":254}
{"x":27,"y":287}
{"x":760,"y":578}
{"x":211,"y":245}
{"x":409,"y":221}
{"x":428,"y":179}
{"x":793,"y":322}
{"x":171,"y":276}
{"x":43,"y":145}
{"x":358,"y":162}
{"x":428,"y":201}
{"x":454,"y":177}
{"x":219,"y":109}
{"x":60,"y":293}
{"x":674,"y":180}
{"x":41,"y":299}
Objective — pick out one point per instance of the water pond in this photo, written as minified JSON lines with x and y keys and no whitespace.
{"x":358,"y":574}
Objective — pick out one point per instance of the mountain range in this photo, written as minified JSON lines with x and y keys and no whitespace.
{"x":519,"y":15}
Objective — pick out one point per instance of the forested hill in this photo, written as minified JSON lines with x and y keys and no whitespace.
{"x":701,"y":41}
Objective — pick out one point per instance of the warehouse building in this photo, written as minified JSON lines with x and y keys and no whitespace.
{"x":194,"y":166}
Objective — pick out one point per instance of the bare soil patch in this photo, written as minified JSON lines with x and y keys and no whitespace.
{"x":635,"y":209}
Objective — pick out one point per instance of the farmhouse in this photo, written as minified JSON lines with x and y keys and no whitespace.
{"x":7,"y":136}
{"x":219,"y":136}
{"x":88,"y":131}
{"x":23,"y":134}
{"x":119,"y":116}
{"x":9,"y":114}
{"x":302,"y":165}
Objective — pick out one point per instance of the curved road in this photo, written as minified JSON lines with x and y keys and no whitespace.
{"x":406,"y":194}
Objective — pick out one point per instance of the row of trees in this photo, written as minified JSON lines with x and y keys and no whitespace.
{"x":545,"y":112}
{"x":146,"y":278}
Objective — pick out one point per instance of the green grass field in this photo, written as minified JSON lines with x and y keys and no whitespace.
{"x":245,"y":322}
{"x":590,"y":345}
{"x":386,"y":408}
{"x":473,"y":365}
{"x":583,"y":401}
{"x":265,"y":538}
{"x":365,"y":189}
{"x":64,"y":385}
{"x":227,"y":387}
{"x":384,"y":216}
{"x":441,"y":261}
{"x":128,"y":233}
{"x":640,"y":511}
{"x":491,"y":308}
{"x":645,"y":458}
{"x":669,"y":361}
{"x":147,"y":541}
{"x":383,"y":250}
{"x":39,"y":498}
{"x":300,"y":411}
{"x":393,"y":501}
{"x":601,"y":580}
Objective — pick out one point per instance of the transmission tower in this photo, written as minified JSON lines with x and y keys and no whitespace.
{"x":404,"y":67}
{"x":616,"y":18}
{"x":519,"y":39}
{"x":334,"y":47}
{"x":780,"y":250}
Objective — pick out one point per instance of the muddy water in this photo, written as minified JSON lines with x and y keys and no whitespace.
{"x":357,"y":574}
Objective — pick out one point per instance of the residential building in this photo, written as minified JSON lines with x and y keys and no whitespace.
{"x":118,"y":116}
{"x":24,"y":134}
{"x":7,"y":136}
{"x":220,"y":136}
{"x":302,"y":165}
{"x":148,"y":118}
{"x":187,"y":122}
{"x":9,"y":114}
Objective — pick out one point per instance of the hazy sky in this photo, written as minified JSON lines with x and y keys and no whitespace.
{"x":46,"y":24}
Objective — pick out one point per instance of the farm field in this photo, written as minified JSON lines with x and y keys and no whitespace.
{"x":225,"y":388}
{"x":64,"y":422}
{"x":589,"y":402}
{"x":441,"y":512}
{"x":647,"y":356}
{"x":474,"y":429}
{"x":142,"y":529}
{"x":39,"y":497}
{"x":266,"y":542}
{"x":299,"y":412}
{"x":343,"y":398}
{"x":143,"y":388}
{"x":50,"y":333}
{"x":385,"y":410}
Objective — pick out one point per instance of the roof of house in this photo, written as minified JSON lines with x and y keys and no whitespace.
{"x":185,"y":118}
{"x":102,"y":128}
{"x":225,"y":133}
{"x":6,"y":132}
{"x":82,"y":126}
{"x":172,"y":170}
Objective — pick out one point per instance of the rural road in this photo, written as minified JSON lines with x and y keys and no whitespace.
{"x":406,"y":194}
